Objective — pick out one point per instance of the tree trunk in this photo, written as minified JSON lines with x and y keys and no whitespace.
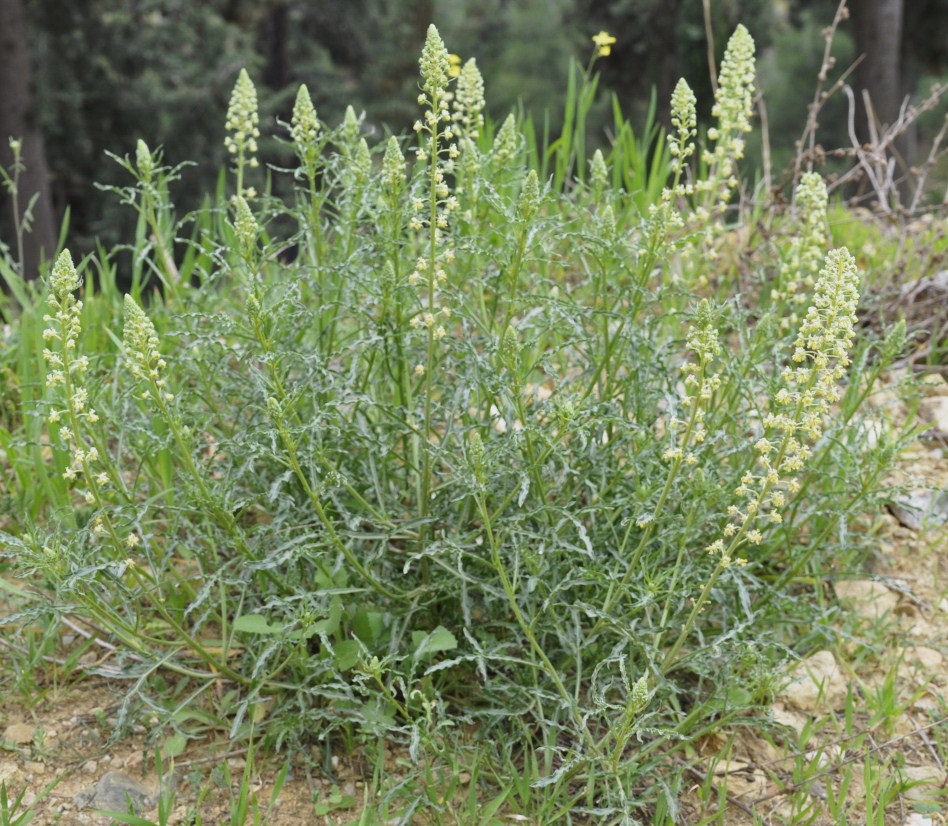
{"x":877,"y":26}
{"x":17,"y":120}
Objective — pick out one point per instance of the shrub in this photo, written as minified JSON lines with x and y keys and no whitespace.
{"x":484,"y":453}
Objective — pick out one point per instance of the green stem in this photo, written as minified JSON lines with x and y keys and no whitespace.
{"x":527,"y":628}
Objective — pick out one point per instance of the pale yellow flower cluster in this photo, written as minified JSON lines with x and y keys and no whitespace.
{"x":733,"y":108}
{"x":306,"y":132}
{"x":701,"y":383}
{"x":242,"y":121}
{"x":805,"y":254}
{"x":468,"y":103}
{"x":141,"y":348}
{"x":821,"y":356}
{"x":433,"y":213}
{"x":65,"y":369}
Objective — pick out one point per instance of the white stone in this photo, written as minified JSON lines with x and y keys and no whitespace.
{"x":19,"y":733}
{"x":934,"y":409}
{"x":924,"y":657}
{"x":816,"y":684}
{"x":868,"y":598}
{"x":925,"y":777}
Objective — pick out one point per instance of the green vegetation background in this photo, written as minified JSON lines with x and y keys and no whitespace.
{"x":107,"y":73}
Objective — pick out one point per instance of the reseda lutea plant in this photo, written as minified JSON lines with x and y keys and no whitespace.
{"x":465,"y":458}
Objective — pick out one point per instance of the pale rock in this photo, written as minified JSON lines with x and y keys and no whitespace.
{"x":114,"y":792}
{"x":746,"y":784}
{"x":916,"y":819}
{"x":868,"y":598}
{"x":924,"y":657}
{"x":761,"y":751}
{"x":871,"y":432}
{"x":925,"y":777}
{"x":786,"y":717}
{"x":816,"y":684}
{"x":934,"y":410}
{"x":920,"y":508}
{"x":19,"y":733}
{"x":35,"y":767}
{"x":9,"y":772}
{"x":722,"y":767}
{"x":934,"y":384}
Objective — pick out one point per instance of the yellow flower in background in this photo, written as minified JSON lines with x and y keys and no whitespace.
{"x":603,"y":42}
{"x":455,"y":65}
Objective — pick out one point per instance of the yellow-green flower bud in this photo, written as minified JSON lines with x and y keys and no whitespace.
{"x":304,"y":125}
{"x":598,"y":175}
{"x":349,"y":131}
{"x":529,"y":203}
{"x":362,"y":163}
{"x":510,"y":350}
{"x":703,"y":337}
{"x":895,"y":340}
{"x":435,"y":63}
{"x":607,"y":223}
{"x":639,"y":695}
{"x":144,"y":161}
{"x":393,"y":166}
{"x":734,"y":99}
{"x":242,"y":119}
{"x":476,"y":455}
{"x":65,"y":279}
{"x":141,"y":341}
{"x":469,"y":100}
{"x":246,"y":227}
{"x":685,"y":120}
{"x":506,"y":143}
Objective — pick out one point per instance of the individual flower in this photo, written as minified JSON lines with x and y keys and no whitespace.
{"x":604,"y":43}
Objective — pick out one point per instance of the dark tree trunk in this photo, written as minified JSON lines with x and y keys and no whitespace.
{"x":877,"y":26}
{"x":17,"y":120}
{"x":277,"y":72}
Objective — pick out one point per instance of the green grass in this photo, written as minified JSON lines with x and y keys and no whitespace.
{"x":454,"y":468}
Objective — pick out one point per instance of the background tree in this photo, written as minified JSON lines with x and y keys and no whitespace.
{"x":18,"y":120}
{"x":107,"y":72}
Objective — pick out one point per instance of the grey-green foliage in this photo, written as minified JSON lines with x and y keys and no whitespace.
{"x":450,"y":465}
